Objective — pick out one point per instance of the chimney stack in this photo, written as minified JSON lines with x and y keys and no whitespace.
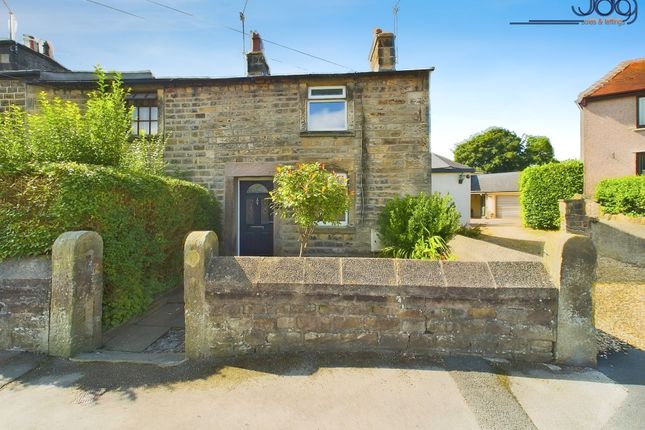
{"x":382,"y":54}
{"x":255,"y":62}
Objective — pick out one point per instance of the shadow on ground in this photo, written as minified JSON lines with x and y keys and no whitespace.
{"x":529,"y":246}
{"x":95,"y":379}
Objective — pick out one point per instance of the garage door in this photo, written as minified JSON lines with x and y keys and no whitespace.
{"x":508,"y":206}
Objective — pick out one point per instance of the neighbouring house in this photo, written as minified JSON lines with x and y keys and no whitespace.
{"x":229,"y":135}
{"x":495,"y":195}
{"x":450,"y":177}
{"x":612,"y":125}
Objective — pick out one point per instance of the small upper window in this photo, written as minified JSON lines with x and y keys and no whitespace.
{"x":641,"y":112}
{"x":145,"y":113}
{"x":327,"y":109}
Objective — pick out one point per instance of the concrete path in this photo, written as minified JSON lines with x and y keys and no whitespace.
{"x":467,"y":249}
{"x":143,"y":333}
{"x":325,"y":392}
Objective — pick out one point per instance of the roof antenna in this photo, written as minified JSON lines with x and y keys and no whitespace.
{"x":243,"y":20}
{"x":13,"y":23}
{"x":395,"y":15}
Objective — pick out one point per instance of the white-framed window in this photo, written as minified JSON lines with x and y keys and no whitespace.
{"x":641,"y":112}
{"x":145,"y":113}
{"x":344,"y":220}
{"x":327,"y":108}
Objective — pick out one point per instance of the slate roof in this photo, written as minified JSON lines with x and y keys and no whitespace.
{"x":444,"y":165}
{"x":628,"y":77}
{"x":495,"y":182}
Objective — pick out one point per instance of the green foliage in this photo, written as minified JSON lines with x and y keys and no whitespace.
{"x":499,"y":150}
{"x":542,"y":186}
{"x":142,"y":218}
{"x":61,"y":132}
{"x":14,"y":149}
{"x":410,"y":225}
{"x":537,"y":150}
{"x":107,"y":120}
{"x":145,"y":154}
{"x":622,"y":195}
{"x":309,"y":194}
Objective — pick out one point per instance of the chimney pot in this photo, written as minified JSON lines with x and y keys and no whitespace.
{"x":257,"y":42}
{"x":256,"y":63}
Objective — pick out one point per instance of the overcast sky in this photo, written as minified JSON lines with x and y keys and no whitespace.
{"x":488,"y":73}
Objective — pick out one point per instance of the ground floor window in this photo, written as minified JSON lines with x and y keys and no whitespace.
{"x":640,"y":163}
{"x":344,"y":220}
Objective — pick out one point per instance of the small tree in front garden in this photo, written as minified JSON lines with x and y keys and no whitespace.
{"x":309,"y":194}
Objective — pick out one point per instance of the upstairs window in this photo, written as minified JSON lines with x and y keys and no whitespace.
{"x":641,"y":112}
{"x":327,"y":109}
{"x":145,"y":115}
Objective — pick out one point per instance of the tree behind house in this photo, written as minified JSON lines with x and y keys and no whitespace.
{"x":499,"y":150}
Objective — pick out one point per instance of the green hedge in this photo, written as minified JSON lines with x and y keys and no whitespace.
{"x":542,"y":186}
{"x":622,"y":195}
{"x":142,"y":218}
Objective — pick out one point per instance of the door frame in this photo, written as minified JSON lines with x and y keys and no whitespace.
{"x":238,"y":224}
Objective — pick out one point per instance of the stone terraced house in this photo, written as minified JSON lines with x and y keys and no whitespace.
{"x":229,"y":135}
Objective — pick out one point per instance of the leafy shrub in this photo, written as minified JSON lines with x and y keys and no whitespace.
{"x":622,"y":195}
{"x":309,"y":194}
{"x":542,"y":186}
{"x":142,"y":218}
{"x":408,"y":225}
{"x":145,"y":154}
{"x":61,"y":132}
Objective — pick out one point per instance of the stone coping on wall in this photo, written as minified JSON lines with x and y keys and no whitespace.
{"x":378,"y":276}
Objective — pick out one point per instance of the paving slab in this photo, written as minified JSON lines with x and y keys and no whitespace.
{"x":134,"y":338}
{"x":164,"y":315}
{"x":13,"y":365}
{"x":103,"y":356}
{"x":572,"y":400}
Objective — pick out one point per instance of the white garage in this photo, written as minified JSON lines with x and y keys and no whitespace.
{"x":508,"y":206}
{"x":496,"y":195}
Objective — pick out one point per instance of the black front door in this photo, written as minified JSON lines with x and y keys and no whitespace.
{"x":256,"y":218}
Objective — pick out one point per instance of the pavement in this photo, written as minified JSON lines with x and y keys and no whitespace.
{"x":322,"y":392}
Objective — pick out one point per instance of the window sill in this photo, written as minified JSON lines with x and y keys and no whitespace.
{"x":338,"y":133}
{"x":335,"y":229}
{"x":639,"y":129}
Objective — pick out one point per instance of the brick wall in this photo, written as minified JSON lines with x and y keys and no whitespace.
{"x":258,"y":305}
{"x":25,"y":287}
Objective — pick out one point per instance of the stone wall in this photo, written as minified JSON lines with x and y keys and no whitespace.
{"x":227,"y":129}
{"x":12,"y":92}
{"x":53,"y":304}
{"x":25,"y":289}
{"x":615,"y":236}
{"x":237,"y":305}
{"x":518,"y":310}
